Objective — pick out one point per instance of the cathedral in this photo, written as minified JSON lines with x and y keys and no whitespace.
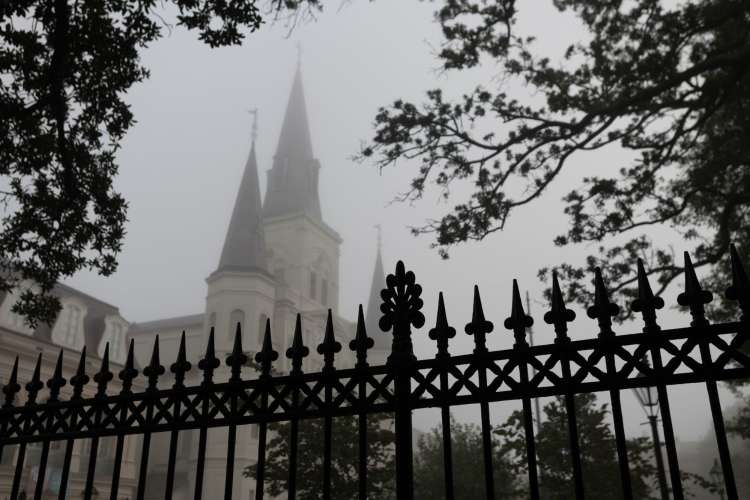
{"x":279,"y":259}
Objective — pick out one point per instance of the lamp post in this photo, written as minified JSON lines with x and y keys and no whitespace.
{"x":649,"y":400}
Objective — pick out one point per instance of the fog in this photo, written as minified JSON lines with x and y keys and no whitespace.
{"x":181,"y":164}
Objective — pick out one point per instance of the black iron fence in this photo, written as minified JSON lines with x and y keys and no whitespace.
{"x":701,"y":353}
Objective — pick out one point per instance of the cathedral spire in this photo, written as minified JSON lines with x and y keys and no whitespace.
{"x":293,"y":179}
{"x":245,"y":243}
{"x":373,"y":305}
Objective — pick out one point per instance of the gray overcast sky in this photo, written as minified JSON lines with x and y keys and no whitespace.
{"x":182,"y":162}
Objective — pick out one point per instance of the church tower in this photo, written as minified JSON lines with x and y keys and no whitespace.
{"x":241,"y":290}
{"x":303,"y":249}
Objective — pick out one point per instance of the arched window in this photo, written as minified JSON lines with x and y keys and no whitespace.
{"x":237,"y":316}
{"x":261,"y":329}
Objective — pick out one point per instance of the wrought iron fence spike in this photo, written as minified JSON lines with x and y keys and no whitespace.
{"x":103,"y":377}
{"x":518,"y":321}
{"x":646,"y":303}
{"x":558,"y":315}
{"x":603,"y":309}
{"x":237,"y":359}
{"x":298,"y":350}
{"x":12,"y":387}
{"x":478,"y":327}
{"x":329,"y":347}
{"x":128,"y":373}
{"x":361,"y":342}
{"x":694,"y":296}
{"x":181,"y":366}
{"x":154,"y":369}
{"x":209,"y":362}
{"x":442,"y":331}
{"x":35,"y":384}
{"x":80,"y":379}
{"x":267,"y":355}
{"x":57,"y":381}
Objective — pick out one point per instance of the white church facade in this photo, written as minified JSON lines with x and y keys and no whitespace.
{"x":279,"y":259}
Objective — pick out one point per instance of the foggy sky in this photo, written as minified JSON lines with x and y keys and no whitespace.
{"x":181,"y":164}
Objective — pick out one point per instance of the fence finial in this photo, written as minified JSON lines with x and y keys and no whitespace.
{"x":181,"y":366}
{"x":12,"y":387}
{"x":128,"y":373}
{"x":210,"y":362}
{"x":361,"y":342}
{"x":442,"y":331}
{"x":80,"y":379}
{"x":329,"y":347}
{"x":154,"y":369}
{"x":35,"y":385}
{"x":646,"y":303}
{"x":103,"y":377}
{"x":558,"y":315}
{"x":297,"y":351}
{"x":57,"y":381}
{"x":603,"y":310}
{"x":479,"y":327}
{"x":740,"y":288}
{"x":518,"y":321}
{"x":401,"y":310}
{"x":694,"y":295}
{"x":267,"y":355}
{"x":237,"y":359}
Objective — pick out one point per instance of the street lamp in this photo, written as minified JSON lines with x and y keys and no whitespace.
{"x":649,"y":400}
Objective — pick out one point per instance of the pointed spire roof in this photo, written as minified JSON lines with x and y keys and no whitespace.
{"x":382,"y":342}
{"x":245,"y":243}
{"x":293,"y":180}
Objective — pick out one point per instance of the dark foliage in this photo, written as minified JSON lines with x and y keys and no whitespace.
{"x":668,"y":82}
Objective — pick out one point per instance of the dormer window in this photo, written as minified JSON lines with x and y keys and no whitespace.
{"x":115,"y":332}
{"x":68,"y":330}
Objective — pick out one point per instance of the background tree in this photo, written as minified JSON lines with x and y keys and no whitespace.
{"x":667,"y":81}
{"x":598,"y":452}
{"x":345,"y":457}
{"x":468,"y":473}
{"x":64,"y":69}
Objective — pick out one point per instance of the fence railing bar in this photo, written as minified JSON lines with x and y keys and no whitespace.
{"x":18,"y":473}
{"x":42,"y":471}
{"x":201,"y":460}
{"x":65,"y":472}
{"x":447,"y":449}
{"x":117,"y":467}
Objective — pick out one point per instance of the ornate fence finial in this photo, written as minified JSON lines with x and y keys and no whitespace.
{"x":154,"y":369}
{"x":361,"y":342}
{"x":297,"y":351}
{"x":478,"y":327}
{"x":329,"y":347}
{"x":80,"y":379}
{"x":603,"y":310}
{"x":210,"y":362}
{"x":103,"y":377}
{"x":12,"y":387}
{"x":57,"y":381}
{"x":442,"y":331}
{"x":518,"y":321}
{"x":35,"y":385}
{"x":237,"y":359}
{"x":267,"y":355}
{"x":181,"y":366}
{"x":401,"y":309}
{"x":647,"y":303}
{"x":694,"y":295}
{"x":558,"y":315}
{"x":740,"y":288}
{"x":128,"y":373}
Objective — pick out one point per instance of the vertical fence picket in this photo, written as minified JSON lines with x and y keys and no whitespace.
{"x":208,"y":364}
{"x":265,"y":357}
{"x":236,"y":360}
{"x":152,"y":372}
{"x":296,"y":353}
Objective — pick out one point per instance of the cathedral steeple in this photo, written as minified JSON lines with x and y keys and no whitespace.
{"x":382,"y":341}
{"x":293,"y":179}
{"x":245,"y":243}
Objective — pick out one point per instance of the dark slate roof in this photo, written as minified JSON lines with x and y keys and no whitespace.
{"x":245,"y":243}
{"x":167,"y":324}
{"x":382,"y":340}
{"x":293,"y":180}
{"x":93,"y":326}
